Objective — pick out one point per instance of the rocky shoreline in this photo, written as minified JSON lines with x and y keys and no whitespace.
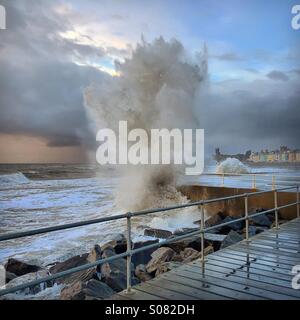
{"x":103,"y":281}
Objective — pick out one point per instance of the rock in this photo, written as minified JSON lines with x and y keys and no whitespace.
{"x":157,"y":233}
{"x":76,"y":261}
{"x":166,"y":266}
{"x":232,"y":238}
{"x":20,"y":268}
{"x":28,"y":277}
{"x":189,"y":254}
{"x":114,"y":274}
{"x":141,"y":273}
{"x":236,"y":226}
{"x":253,"y":230}
{"x":161,"y":255}
{"x":118,"y":243}
{"x":95,"y":254}
{"x":97,"y":290}
{"x":9,"y":276}
{"x":262,"y":221}
{"x":70,"y":263}
{"x":215,"y":240}
{"x":144,"y":256}
{"x":90,"y":290}
{"x":192,"y":242}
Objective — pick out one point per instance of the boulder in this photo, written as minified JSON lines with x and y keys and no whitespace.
{"x":182,"y":231}
{"x":28,"y":277}
{"x":159,"y":256}
{"x":70,"y":263}
{"x":76,"y":261}
{"x":236,"y":226}
{"x":232,"y":238}
{"x":144,"y":256}
{"x":20,"y":268}
{"x":192,"y":242}
{"x":261,"y":220}
{"x":118,"y":243}
{"x":157,"y":233}
{"x":90,"y":290}
{"x":141,"y":273}
{"x":189,"y":254}
{"x":9,"y":276}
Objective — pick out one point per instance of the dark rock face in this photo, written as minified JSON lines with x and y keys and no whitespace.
{"x":118,"y":243}
{"x":20,"y":268}
{"x":159,"y":256}
{"x":262,"y":221}
{"x":97,"y":290}
{"x":191,"y":242}
{"x":144,"y":256}
{"x":70,"y":263}
{"x":236,"y":226}
{"x":232,"y":238}
{"x":141,"y":273}
{"x":90,"y":290}
{"x":158,"y":233}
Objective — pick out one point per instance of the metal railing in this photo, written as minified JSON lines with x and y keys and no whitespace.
{"x":130,"y":252}
{"x":255,"y":178}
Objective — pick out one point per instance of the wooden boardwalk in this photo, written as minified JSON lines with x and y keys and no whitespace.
{"x":258,"y":270}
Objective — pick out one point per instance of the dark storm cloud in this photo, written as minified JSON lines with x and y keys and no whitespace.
{"x":257,"y":117}
{"x":277,"y":75}
{"x":40,"y":88}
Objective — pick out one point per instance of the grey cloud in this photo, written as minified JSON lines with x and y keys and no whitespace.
{"x":230,"y":56}
{"x":40,"y":88}
{"x":239,"y":120}
{"x":277,"y":75}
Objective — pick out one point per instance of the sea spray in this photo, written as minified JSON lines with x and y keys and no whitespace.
{"x":232,"y":165}
{"x":158,"y":87}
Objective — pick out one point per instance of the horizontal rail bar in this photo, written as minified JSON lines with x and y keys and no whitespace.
{"x":28,"y":233}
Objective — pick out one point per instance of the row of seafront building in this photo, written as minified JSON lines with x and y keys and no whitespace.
{"x":283,"y":155}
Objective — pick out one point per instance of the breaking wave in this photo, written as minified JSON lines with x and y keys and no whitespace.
{"x":232,"y":165}
{"x":14,"y":178}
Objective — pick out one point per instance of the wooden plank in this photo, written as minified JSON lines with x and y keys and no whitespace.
{"x":241,"y":265}
{"x":254,"y":281}
{"x":151,"y":287}
{"x":253,"y":287}
{"x":266,"y":254}
{"x":227,"y":288}
{"x":246,"y":259}
{"x":177,"y":289}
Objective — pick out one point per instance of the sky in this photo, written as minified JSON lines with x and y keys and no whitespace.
{"x":53,"y":49}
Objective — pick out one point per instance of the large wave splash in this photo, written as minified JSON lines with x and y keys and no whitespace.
{"x":158,"y":87}
{"x":232,"y":165}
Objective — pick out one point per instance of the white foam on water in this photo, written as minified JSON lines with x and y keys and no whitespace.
{"x":232,"y":165}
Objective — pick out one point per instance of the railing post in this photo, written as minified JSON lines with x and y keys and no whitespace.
{"x":298,"y":204}
{"x":202,"y":237}
{"x":223,"y":180}
{"x":273,"y":182}
{"x":129,"y":253}
{"x":276,"y":210}
{"x":254,"y":181}
{"x":247,"y":217}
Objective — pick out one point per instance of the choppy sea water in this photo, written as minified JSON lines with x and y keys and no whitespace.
{"x":36,"y":196}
